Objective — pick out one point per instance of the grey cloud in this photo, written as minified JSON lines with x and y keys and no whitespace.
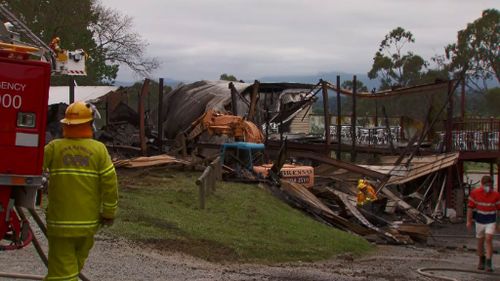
{"x":254,"y":38}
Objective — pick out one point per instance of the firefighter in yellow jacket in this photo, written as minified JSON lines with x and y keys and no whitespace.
{"x":83,"y":192}
{"x":366,"y":193}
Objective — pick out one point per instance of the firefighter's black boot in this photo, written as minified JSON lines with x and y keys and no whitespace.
{"x":489,"y":265}
{"x":482,"y":260}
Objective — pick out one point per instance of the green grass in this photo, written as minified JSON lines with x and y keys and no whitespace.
{"x":240,"y":222}
{"x":478,"y":167}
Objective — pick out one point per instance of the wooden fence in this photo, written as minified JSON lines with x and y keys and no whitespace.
{"x":206,"y":182}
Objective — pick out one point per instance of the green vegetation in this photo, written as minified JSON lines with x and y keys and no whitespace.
{"x":476,"y":51}
{"x":471,"y":167}
{"x":241,"y":222}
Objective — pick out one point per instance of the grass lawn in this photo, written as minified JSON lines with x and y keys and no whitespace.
{"x":478,"y":167}
{"x":241,"y":222}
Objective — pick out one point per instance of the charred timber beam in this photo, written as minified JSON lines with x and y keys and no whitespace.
{"x":142,"y":129}
{"x":388,"y":130}
{"x":71,"y":89}
{"x":339,"y":122}
{"x":234,"y":98}
{"x":449,"y":119}
{"x":253,"y":100}
{"x":326,"y":113}
{"x":353,"y":120}
{"x":160,"y":115}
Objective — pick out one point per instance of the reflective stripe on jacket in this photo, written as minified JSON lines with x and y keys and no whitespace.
{"x":82,"y":186}
{"x":485,"y":205}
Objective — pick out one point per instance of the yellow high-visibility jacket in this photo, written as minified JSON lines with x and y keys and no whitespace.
{"x":366,"y":194}
{"x":82,"y":186}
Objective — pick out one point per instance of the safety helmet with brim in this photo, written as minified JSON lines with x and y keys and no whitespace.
{"x":78,"y":113}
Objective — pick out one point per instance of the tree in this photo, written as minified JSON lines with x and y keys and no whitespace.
{"x":477,"y":51}
{"x":117,"y":43}
{"x":360,"y":86}
{"x":227,"y":77}
{"x":48,"y":19}
{"x":392,"y":66}
{"x":103,"y":33}
{"x":492,"y":102}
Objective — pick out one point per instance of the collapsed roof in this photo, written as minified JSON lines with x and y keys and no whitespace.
{"x":275,"y":102}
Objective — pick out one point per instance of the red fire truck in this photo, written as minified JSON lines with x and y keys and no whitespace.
{"x":24,"y":91}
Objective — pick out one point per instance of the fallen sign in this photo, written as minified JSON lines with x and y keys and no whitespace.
{"x":151,"y":161}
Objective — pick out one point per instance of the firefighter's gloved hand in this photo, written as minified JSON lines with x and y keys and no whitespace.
{"x":107,"y":222}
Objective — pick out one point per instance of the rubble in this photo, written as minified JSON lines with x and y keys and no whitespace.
{"x":411,"y":172}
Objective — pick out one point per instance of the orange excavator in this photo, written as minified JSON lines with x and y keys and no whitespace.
{"x":215,"y":123}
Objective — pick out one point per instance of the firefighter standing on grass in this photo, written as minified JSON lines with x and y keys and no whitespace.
{"x":82,"y":190}
{"x":484,"y":202}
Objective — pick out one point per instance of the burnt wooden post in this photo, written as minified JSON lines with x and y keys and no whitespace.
{"x":71,"y":83}
{"x":266,"y":105}
{"x":353,"y":120}
{"x":234,"y":99}
{"x":142,"y":129}
{"x":388,"y":130}
{"x":326,"y":113}
{"x":449,"y":128}
{"x":339,"y":121}
{"x":160,"y":115}
{"x":401,"y":129}
{"x":253,"y":101}
{"x":106,"y":99}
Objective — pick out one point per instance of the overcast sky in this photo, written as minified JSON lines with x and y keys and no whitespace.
{"x":201,"y":39}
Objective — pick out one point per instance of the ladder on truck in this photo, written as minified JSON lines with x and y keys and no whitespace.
{"x":22,"y":28}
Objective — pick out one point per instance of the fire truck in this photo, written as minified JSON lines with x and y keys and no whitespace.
{"x":25,"y":71}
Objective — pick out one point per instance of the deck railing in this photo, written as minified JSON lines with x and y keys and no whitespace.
{"x":367,"y":136}
{"x":475,"y":135}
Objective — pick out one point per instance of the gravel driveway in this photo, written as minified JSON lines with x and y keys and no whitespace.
{"x":114,"y":260}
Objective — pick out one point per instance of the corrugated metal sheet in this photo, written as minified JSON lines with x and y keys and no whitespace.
{"x":186,"y":103}
{"x":300,"y":124}
{"x":419,"y":166}
{"x":60,"y":94}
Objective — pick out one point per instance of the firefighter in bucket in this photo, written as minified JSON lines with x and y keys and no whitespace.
{"x":82,"y":192}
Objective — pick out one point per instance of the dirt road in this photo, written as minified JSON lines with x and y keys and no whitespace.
{"x":121,"y":260}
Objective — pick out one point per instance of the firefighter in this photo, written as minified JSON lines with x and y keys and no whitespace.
{"x":366,"y":193}
{"x":82,"y":192}
{"x":55,"y":45}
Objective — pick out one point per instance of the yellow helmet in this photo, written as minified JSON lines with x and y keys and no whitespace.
{"x":78,"y":113}
{"x":361,"y":184}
